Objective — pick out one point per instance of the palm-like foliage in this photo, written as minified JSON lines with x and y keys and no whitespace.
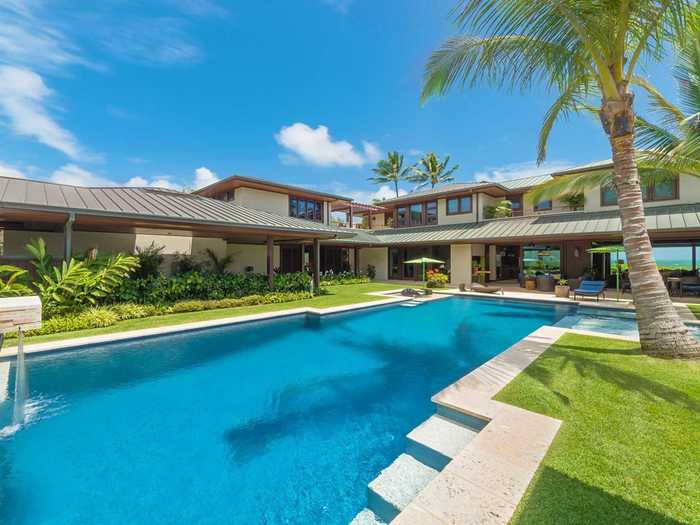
{"x":76,"y":284}
{"x":218,"y":264}
{"x":585,"y":51}
{"x":13,"y":281}
{"x":431,"y":171}
{"x":390,"y":171}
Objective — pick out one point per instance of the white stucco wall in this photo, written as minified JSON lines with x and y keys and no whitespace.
{"x":244,"y":255}
{"x":378,"y":221}
{"x":460,"y":264}
{"x":379,"y":258}
{"x":105,"y":242}
{"x":277,"y":203}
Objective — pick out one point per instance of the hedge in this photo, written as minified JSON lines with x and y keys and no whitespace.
{"x":103,"y":316}
{"x":205,"y":285}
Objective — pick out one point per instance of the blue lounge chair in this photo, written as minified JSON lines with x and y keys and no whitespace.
{"x":590,"y":289}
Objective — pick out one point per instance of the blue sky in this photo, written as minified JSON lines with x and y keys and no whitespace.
{"x":309,"y":92}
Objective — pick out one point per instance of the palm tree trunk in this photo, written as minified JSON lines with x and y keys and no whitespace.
{"x":396,"y":187}
{"x":661,"y":330}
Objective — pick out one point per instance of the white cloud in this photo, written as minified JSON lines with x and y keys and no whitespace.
{"x":151,"y":41}
{"x":317,"y":147}
{"x":372,"y":152}
{"x":10,"y":171}
{"x":77,"y":176}
{"x":158,"y":182}
{"x":519,"y":170}
{"x":23,"y":97}
{"x":33,"y":42}
{"x":204,"y":177}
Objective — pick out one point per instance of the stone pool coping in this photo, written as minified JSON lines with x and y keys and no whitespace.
{"x":484,"y":483}
{"x":78,"y":342}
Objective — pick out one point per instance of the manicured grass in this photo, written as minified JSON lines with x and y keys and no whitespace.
{"x":695,"y":308}
{"x":628,"y":450}
{"x":337,"y":296}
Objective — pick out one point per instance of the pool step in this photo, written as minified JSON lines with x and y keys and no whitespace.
{"x":437,"y":440}
{"x":397,"y":485}
{"x":366,"y":517}
{"x":410,"y":304}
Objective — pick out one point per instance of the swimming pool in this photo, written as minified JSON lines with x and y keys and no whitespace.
{"x":281,"y":421}
{"x":606,"y":321}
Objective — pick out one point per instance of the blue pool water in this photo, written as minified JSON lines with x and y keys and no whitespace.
{"x":275,"y":422}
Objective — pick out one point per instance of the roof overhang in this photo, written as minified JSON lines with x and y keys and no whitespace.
{"x":238,"y":181}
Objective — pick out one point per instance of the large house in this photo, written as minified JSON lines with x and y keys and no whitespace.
{"x":270,"y":227}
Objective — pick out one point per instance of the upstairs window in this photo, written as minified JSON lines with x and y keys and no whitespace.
{"x":457,"y":205}
{"x":417,"y":214}
{"x":431,"y":215}
{"x":306,"y":209}
{"x":543,"y":206}
{"x":652,"y":191}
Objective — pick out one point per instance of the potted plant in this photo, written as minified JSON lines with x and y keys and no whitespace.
{"x":562,"y":288}
{"x":530,"y":282}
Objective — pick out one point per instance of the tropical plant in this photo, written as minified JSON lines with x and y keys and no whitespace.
{"x":75,"y":284}
{"x":150,"y":258}
{"x":13,"y":281}
{"x":585,"y":51}
{"x":216,"y":263}
{"x":432,"y":171}
{"x":501,"y":210}
{"x":390,"y":171}
{"x":576,"y":200}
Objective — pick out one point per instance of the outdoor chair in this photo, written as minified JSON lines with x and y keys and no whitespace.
{"x":590,"y":289}
{"x":483,"y":288}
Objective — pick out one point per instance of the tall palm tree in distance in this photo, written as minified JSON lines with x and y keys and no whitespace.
{"x":390,"y":171}
{"x":586,"y":51}
{"x":431,"y":171}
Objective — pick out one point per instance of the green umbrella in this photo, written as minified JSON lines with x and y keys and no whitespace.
{"x":423,"y":261}
{"x":616,"y":249}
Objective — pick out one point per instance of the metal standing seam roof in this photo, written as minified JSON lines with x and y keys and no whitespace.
{"x":570,"y":224}
{"x":150,"y":204}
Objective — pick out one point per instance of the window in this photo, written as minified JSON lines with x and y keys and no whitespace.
{"x":652,"y":191}
{"x":516,"y":204}
{"x":543,"y":206}
{"x":459,"y":205}
{"x":608,"y":195}
{"x":306,"y":209}
{"x":416,"y":211}
{"x":417,"y":214}
{"x":431,"y":216}
{"x":664,"y":190}
{"x":401,"y":217}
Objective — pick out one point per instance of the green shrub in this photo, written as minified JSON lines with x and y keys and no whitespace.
{"x":330,"y":278}
{"x":371,"y":271}
{"x":91,"y":318}
{"x":126,"y":311}
{"x":190,"y":306}
{"x":292,"y":282}
{"x":150,"y":258}
{"x":250,"y":300}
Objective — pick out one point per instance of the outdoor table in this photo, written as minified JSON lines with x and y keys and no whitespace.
{"x":482,"y":275}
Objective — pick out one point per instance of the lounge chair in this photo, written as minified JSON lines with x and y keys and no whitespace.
{"x":483,"y":288}
{"x":690,"y":285}
{"x":590,"y":289}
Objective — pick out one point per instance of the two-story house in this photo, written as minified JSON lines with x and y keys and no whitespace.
{"x":272,"y":227}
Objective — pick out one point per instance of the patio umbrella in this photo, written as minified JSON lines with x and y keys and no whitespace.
{"x":422,"y":261}
{"x":616,"y":249}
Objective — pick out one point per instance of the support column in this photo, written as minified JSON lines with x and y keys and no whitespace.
{"x":356,"y":260}
{"x":270,"y":262}
{"x":350,"y":217}
{"x":303,"y":249}
{"x":68,"y":237}
{"x":695,"y":266}
{"x":317,"y":265}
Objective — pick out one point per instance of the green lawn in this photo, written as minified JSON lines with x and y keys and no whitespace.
{"x":695,"y":308}
{"x":628,"y":450}
{"x":337,"y":296}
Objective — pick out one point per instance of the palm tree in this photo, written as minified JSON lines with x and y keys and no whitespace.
{"x":432,"y":172}
{"x":390,"y":171}
{"x":584,"y":50}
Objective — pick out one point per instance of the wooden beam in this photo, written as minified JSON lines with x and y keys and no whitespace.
{"x":270,"y":262}
{"x":317,"y":265}
{"x":350,"y":217}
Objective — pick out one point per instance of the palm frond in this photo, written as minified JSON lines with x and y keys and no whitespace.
{"x":567,"y":185}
